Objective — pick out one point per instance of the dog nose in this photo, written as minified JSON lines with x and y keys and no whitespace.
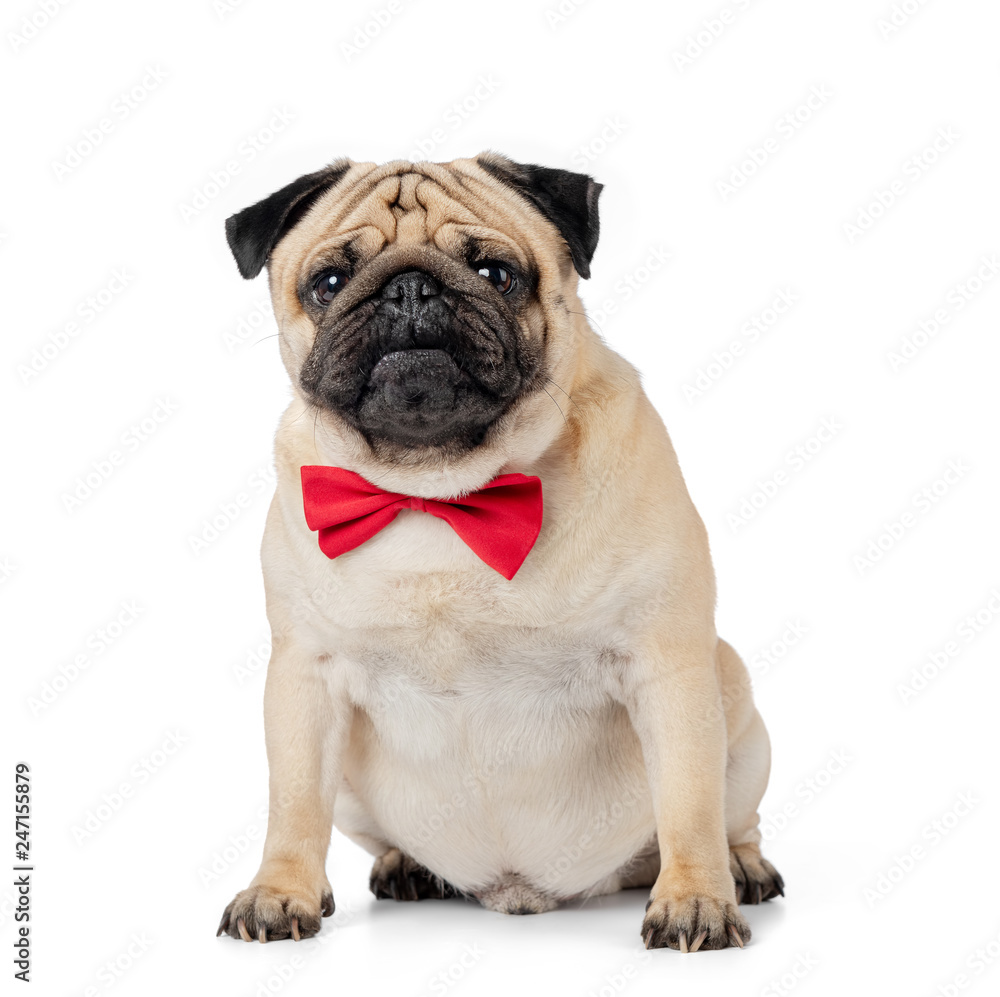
{"x":411,"y":288}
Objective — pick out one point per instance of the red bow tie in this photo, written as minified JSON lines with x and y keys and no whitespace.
{"x":500,"y":522}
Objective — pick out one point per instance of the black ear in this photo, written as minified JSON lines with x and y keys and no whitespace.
{"x":568,"y":200}
{"x":253,"y":232}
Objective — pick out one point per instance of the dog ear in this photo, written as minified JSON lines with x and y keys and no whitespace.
{"x":253,"y":232}
{"x":568,"y":200}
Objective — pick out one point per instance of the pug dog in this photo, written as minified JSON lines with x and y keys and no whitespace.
{"x":495,"y":664}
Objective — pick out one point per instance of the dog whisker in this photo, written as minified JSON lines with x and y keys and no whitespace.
{"x":554,"y":402}
{"x":570,"y":311}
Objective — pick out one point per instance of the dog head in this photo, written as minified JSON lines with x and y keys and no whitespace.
{"x":425,"y":308}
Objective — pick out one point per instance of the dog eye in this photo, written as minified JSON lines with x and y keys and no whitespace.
{"x":328,"y":284}
{"x":498,"y":275}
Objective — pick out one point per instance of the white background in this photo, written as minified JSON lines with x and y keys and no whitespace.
{"x":862,"y":769}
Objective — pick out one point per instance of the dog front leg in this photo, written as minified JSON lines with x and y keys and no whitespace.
{"x":675,"y":706}
{"x":306,"y":726}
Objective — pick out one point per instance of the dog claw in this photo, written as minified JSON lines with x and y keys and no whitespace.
{"x":696,"y":944}
{"x":734,"y":936}
{"x":223,"y":924}
{"x":262,"y":935}
{"x":295,"y":929}
{"x":683,"y":941}
{"x":647,"y":938}
{"x":242,"y":929}
{"x":759,"y":893}
{"x":397,"y":876}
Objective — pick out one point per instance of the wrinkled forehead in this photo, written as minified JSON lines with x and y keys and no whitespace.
{"x":457,"y":208}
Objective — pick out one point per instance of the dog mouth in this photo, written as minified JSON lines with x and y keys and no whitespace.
{"x":422,"y":396}
{"x":417,"y":377}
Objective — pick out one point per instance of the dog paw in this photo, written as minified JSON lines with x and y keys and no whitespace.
{"x":692,"y":923}
{"x":756,"y":879}
{"x":395,"y":876}
{"x":264,"y":914}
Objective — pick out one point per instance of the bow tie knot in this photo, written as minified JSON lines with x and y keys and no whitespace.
{"x":499,"y":523}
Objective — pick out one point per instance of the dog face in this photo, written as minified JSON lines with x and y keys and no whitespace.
{"x":421,"y":306}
